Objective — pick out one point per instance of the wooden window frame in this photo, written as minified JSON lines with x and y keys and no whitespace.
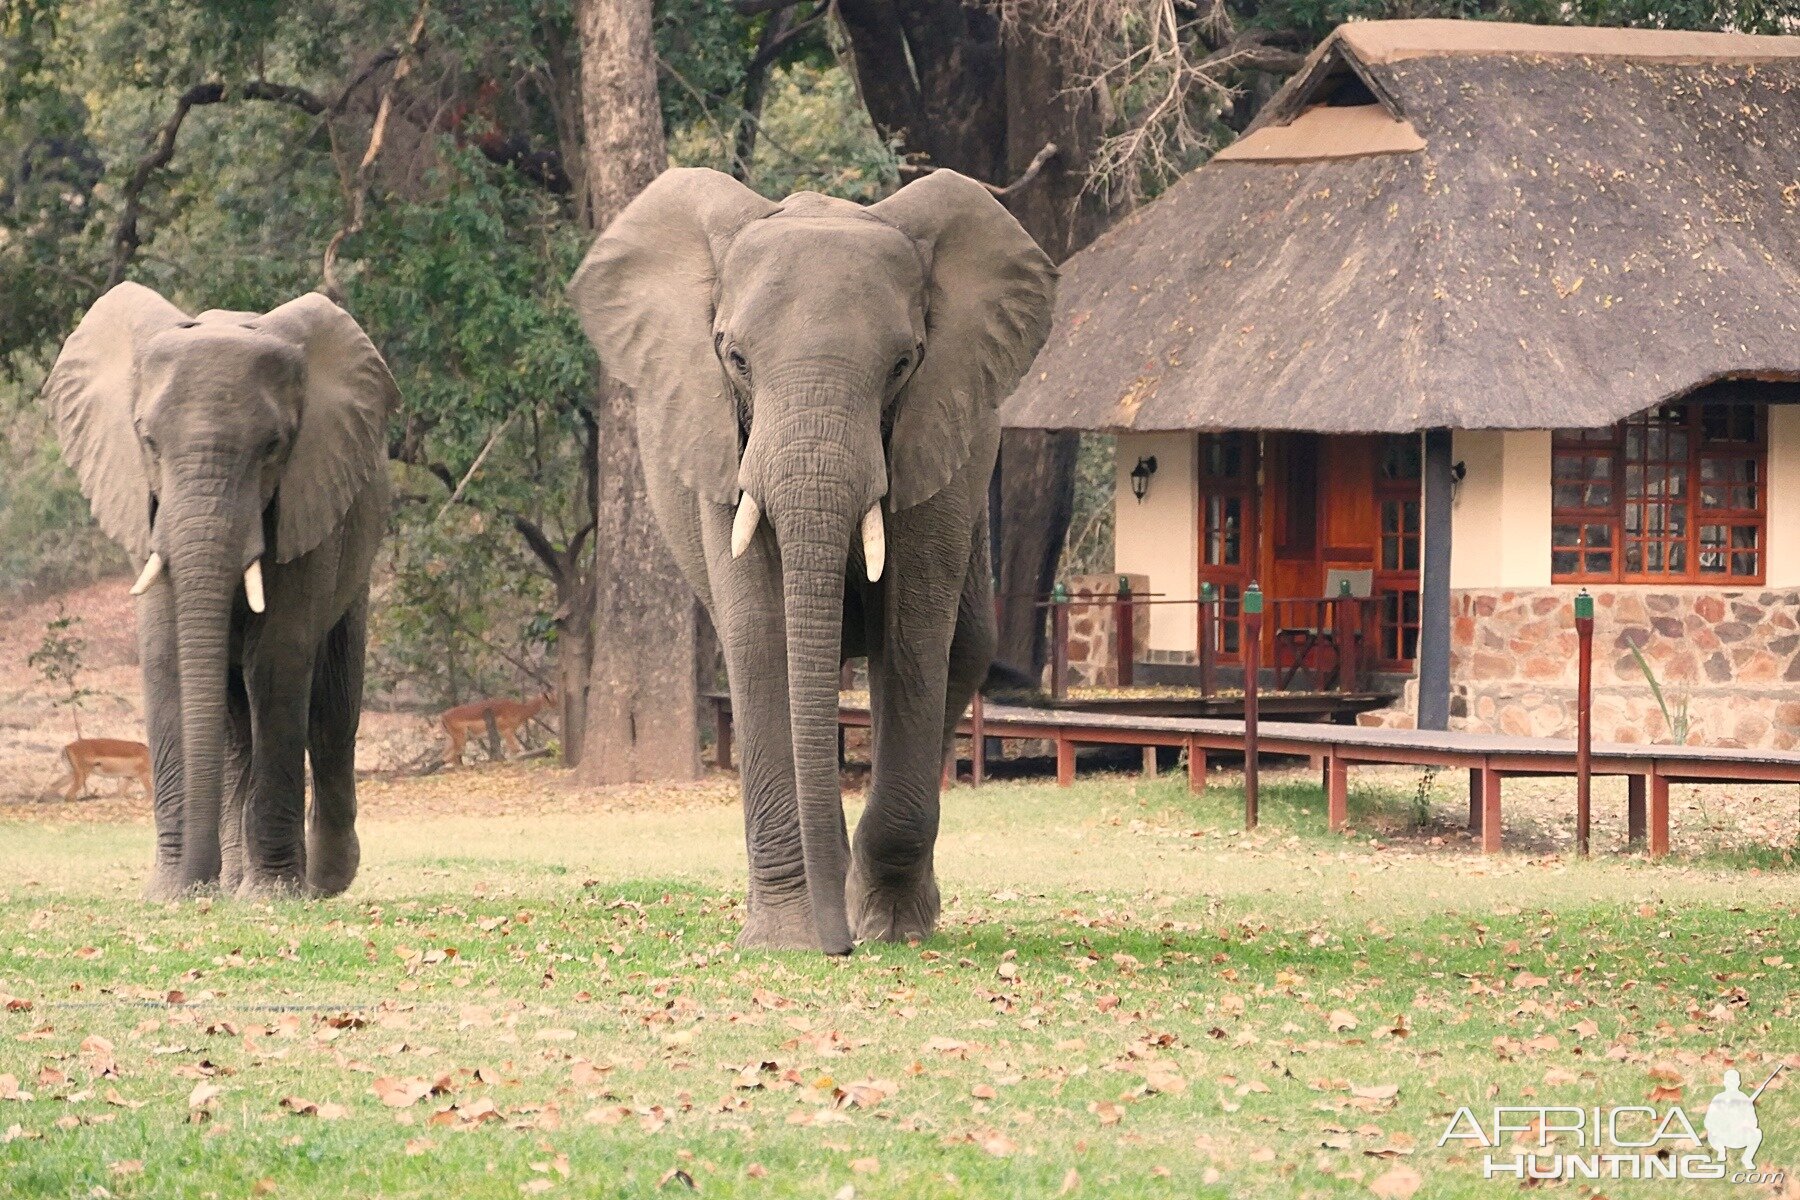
{"x":1609,"y":445}
{"x":1392,"y":585}
{"x":1229,"y":579}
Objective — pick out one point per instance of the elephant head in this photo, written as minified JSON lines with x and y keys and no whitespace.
{"x":204,"y":446}
{"x":817,"y":365}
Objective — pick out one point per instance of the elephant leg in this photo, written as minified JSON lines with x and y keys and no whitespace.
{"x":235,"y":780}
{"x":747,"y":612}
{"x":162,"y":726}
{"x":332,"y":851}
{"x":279,"y":681}
{"x":893,"y":892}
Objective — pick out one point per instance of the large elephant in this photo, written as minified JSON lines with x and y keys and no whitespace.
{"x":225,"y":448}
{"x":815,"y":387}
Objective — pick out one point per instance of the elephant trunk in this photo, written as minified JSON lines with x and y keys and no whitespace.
{"x":816,"y":503}
{"x":204,"y":574}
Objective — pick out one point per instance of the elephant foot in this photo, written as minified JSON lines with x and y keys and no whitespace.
{"x":778,"y":927}
{"x":283,"y":886}
{"x":167,"y":884}
{"x":901,"y":912}
{"x":332,"y":860}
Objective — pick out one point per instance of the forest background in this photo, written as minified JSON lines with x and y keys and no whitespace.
{"x":441,"y":166}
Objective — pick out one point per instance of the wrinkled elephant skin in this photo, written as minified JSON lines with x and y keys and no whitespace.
{"x":240,"y":458}
{"x":815,"y":387}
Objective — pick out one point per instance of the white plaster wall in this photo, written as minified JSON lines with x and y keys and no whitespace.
{"x":1476,"y":517}
{"x":1525,"y":503}
{"x":1159,"y":537}
{"x":1500,"y":527}
{"x":1783,"y":531}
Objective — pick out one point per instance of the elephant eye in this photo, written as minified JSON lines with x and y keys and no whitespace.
{"x":900,"y":367}
{"x":738,"y":362}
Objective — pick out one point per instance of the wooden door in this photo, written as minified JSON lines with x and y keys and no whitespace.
{"x":1229,"y":523}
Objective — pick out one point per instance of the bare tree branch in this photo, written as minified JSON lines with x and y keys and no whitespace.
{"x":493,"y":438}
{"x":127,"y":239}
{"x":1049,"y":151}
{"x":359,"y":194}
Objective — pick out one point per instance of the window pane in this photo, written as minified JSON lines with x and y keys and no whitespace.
{"x":1562,"y":562}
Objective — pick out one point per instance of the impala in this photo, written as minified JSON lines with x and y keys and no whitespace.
{"x":114,"y":757}
{"x":466,"y":720}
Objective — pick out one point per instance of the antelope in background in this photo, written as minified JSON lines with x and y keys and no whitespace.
{"x":114,"y":757}
{"x":470,"y":720}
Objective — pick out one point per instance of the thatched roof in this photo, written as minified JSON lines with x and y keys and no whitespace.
{"x":1520,"y":227}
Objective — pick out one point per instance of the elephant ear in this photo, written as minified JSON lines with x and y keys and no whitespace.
{"x":92,"y":396}
{"x":341,"y":440}
{"x":645,"y":296}
{"x":988,"y":307}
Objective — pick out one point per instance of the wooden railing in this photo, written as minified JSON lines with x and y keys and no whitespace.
{"x":1342,"y":629}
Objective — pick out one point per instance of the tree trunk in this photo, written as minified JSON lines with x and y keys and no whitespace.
{"x":966,"y":92}
{"x":642,"y":720}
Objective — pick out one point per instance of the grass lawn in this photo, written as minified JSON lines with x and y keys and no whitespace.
{"x":1129,"y":997}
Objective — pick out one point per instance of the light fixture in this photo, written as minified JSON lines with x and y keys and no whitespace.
{"x":1140,"y":477}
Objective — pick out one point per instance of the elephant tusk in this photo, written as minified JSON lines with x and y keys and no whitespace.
{"x":253,"y":591}
{"x":743,"y":527}
{"x":874,"y":539}
{"x":152,"y":569}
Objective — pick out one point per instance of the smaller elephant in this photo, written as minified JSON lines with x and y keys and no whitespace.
{"x":241,"y":460}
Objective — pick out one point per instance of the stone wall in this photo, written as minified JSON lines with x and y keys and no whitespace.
{"x":1093,"y":628}
{"x":1732,"y":658}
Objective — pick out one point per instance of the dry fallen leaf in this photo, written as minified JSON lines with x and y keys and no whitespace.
{"x":1398,"y":1183}
{"x":1341,"y":1020}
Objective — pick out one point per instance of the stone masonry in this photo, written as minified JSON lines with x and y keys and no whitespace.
{"x":1730,"y":659}
{"x":1093,"y":628}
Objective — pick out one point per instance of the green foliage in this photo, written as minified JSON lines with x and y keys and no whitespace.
{"x":814,"y":136}
{"x":460,"y":610}
{"x":1089,"y":549}
{"x":59,"y":660}
{"x":47,"y":538}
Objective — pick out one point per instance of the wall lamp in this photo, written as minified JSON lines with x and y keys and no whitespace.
{"x":1140,"y":477}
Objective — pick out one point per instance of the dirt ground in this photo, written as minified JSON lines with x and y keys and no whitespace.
{"x":33,"y":730}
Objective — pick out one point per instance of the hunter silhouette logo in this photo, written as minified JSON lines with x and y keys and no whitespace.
{"x":1538,"y":1143}
{"x":1731,"y":1122}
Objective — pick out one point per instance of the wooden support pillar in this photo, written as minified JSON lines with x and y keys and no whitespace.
{"x":1065,"y":761}
{"x":1196,"y":767}
{"x":1337,"y":792}
{"x":1490,"y":810}
{"x":977,"y":742}
{"x":1434,"y":585}
{"x":1634,"y":812}
{"x":1659,"y":814}
{"x":1474,"y":800}
{"x":1149,"y":762}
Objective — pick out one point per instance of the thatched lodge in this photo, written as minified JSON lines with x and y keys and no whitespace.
{"x":1474,"y":316}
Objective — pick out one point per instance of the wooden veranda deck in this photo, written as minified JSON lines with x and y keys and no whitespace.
{"x":1489,"y":758}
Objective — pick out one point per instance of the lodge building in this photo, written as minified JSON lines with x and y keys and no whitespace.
{"x":1475,"y":316}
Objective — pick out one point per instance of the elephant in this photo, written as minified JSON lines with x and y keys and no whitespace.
{"x":224,"y":448}
{"x":815,"y":387}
